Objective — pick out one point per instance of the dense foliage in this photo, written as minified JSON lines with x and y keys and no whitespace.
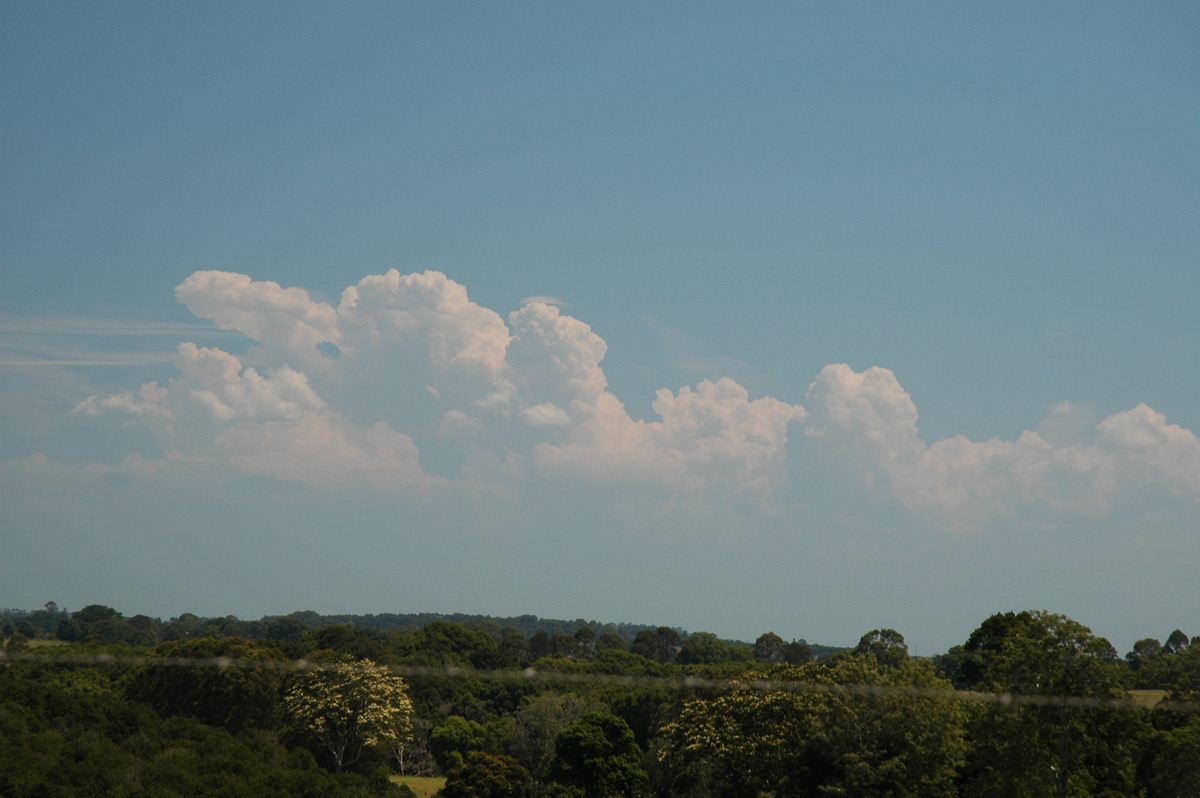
{"x":94,"y":703}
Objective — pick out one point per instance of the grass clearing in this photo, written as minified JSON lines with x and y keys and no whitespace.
{"x":1147,"y":698}
{"x":423,"y":786}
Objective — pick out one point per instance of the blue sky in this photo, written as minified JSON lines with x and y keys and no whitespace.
{"x":813,"y":318}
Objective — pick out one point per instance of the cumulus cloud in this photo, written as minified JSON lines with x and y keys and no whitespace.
{"x":427,"y":311}
{"x":546,"y":414}
{"x":556,"y":358}
{"x":322,"y":449}
{"x":217,"y":381}
{"x":714,"y":435}
{"x":869,"y":422}
{"x":213,"y":389}
{"x":286,"y":322}
{"x":407,"y":378}
{"x":408,"y":361}
{"x":149,"y":400}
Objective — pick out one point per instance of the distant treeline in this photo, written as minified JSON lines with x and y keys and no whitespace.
{"x":142,"y":630}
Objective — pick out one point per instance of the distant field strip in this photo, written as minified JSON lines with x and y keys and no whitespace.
{"x":1140,"y":700}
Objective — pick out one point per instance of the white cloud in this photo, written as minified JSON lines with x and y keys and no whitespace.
{"x":869,"y":422}
{"x":713,"y":435}
{"x":150,"y":400}
{"x":430,"y":310}
{"x":217,"y":380}
{"x":1068,"y":423}
{"x":322,"y":450}
{"x":546,"y":414}
{"x":456,"y":422}
{"x":407,"y":369}
{"x":546,"y":300}
{"x":286,"y":322}
{"x":555,"y":358}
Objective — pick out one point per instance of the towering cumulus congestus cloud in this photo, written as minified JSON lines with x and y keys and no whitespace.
{"x":330,"y":395}
{"x":286,"y":322}
{"x":868,"y":422}
{"x":407,"y":378}
{"x":711,"y":436}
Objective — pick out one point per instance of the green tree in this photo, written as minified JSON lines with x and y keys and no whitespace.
{"x":1176,"y":769}
{"x":357,"y":641}
{"x":745,"y":742}
{"x":705,"y":648}
{"x":539,"y":645}
{"x":442,"y":643}
{"x":565,"y":645}
{"x":768,"y":648}
{"x":610,"y":641}
{"x":1046,"y":748}
{"x":1176,"y":642}
{"x":1177,"y":672}
{"x":346,"y":706}
{"x":484,"y":775}
{"x":185,"y":626}
{"x":796,"y":652}
{"x":599,"y":756}
{"x":839,"y":731}
{"x":286,"y":629}
{"x":539,"y":721}
{"x":887,"y":646}
{"x":585,"y":636}
{"x":1144,"y":652}
{"x":890,"y":731}
{"x":454,"y":738}
{"x":95,"y":613}
{"x":513,"y":650}
{"x":216,"y":690}
{"x":69,"y":630}
{"x":142,"y":630}
{"x":656,"y":644}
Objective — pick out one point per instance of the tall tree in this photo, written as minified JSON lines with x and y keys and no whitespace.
{"x":539,"y":721}
{"x":745,"y":742}
{"x":599,"y":757}
{"x":887,"y":646}
{"x":1049,"y":747}
{"x":454,"y":738}
{"x":656,"y":644}
{"x":1176,"y":642}
{"x":839,"y":731}
{"x":797,"y":652}
{"x":347,"y":705}
{"x":768,"y":648}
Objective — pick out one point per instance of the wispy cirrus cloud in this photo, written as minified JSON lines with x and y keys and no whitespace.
{"x":684,"y":352}
{"x":27,"y":341}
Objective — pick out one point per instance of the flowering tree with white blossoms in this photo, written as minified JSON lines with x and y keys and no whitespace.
{"x":348,"y":705}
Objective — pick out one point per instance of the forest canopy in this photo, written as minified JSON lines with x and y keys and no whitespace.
{"x":1030,"y":704}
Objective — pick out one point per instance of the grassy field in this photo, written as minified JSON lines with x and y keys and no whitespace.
{"x":423,"y":786}
{"x":1147,"y":698}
